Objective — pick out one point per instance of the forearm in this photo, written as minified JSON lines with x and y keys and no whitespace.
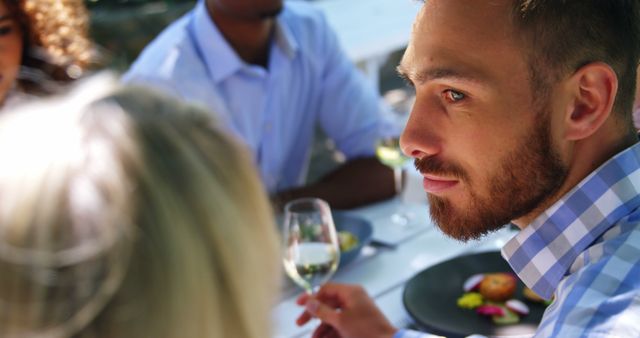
{"x":355,"y":183}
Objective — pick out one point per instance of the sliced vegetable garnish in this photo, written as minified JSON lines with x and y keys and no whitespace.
{"x":490,"y":310}
{"x":517,"y":306}
{"x":473,"y":282}
{"x":470,"y":300}
{"x":508,"y":317}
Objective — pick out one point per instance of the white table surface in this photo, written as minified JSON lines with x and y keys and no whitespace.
{"x":383,"y":272}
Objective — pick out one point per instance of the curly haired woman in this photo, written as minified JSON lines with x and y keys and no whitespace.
{"x":43,"y":43}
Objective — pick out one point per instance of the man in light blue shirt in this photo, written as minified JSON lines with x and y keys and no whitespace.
{"x":272,"y":72}
{"x":523,"y":115}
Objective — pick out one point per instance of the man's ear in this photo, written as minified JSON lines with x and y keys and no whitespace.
{"x":593,"y":87}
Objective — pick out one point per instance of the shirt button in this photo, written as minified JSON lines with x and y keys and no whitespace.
{"x":267,"y":127}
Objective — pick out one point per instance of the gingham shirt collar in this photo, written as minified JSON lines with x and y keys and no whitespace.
{"x":542,"y":253}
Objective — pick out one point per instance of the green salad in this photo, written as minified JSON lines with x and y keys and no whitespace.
{"x":347,"y":241}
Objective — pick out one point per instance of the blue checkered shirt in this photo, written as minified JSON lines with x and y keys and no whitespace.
{"x":585,"y":251}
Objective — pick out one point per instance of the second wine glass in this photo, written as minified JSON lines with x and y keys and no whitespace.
{"x":389,"y":153}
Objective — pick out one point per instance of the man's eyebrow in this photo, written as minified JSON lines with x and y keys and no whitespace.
{"x":437,"y":73}
{"x":403,"y":74}
{"x":6,"y":17}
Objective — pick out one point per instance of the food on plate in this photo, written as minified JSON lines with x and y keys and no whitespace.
{"x":473,"y":283}
{"x":347,"y":241}
{"x":491,"y":295}
{"x":470,"y":300}
{"x":490,"y":310}
{"x":498,"y":287}
{"x":507,"y":317}
{"x":517,"y":307}
{"x":499,"y":314}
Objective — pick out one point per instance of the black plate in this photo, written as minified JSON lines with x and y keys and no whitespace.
{"x":430,"y":298}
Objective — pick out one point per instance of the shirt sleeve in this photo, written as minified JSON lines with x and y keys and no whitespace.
{"x":602,"y":298}
{"x":350,"y":111}
{"x":412,"y":334}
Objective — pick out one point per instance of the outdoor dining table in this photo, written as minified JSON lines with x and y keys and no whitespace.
{"x":383,"y":271}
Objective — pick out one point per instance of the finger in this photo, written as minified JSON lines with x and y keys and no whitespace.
{"x":304,"y":318}
{"x":330,"y":289}
{"x":333,"y":334}
{"x":302,"y":299}
{"x":344,"y":293}
{"x":332,"y":302}
{"x":320,"y":331}
{"x":330,"y":332}
{"x":325,"y":293}
{"x":322,"y":312}
{"x":323,"y":330}
{"x":329,"y":300}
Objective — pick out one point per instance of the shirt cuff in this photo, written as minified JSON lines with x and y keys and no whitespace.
{"x":409,"y":334}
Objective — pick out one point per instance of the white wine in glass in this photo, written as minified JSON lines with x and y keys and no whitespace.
{"x":389,"y":153}
{"x":311,"y":253}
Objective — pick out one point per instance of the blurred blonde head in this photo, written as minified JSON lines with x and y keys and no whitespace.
{"x":125,"y":214}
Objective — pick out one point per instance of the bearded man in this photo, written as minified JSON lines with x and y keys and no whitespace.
{"x":523,"y":116}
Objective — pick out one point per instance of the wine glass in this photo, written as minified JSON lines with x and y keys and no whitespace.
{"x":389,"y":153}
{"x":311,"y":253}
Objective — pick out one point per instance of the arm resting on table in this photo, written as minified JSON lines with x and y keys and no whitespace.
{"x":357,"y":182}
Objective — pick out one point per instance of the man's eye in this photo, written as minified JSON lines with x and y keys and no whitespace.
{"x":453,"y":96}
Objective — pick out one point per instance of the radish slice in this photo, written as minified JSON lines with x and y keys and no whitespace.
{"x":517,"y":307}
{"x":473,"y":282}
{"x":490,"y":310}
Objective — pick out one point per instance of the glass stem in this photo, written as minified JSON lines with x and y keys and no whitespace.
{"x":399,"y":217}
{"x":397,"y":179}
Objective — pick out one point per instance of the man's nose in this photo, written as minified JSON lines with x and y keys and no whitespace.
{"x":419,"y":138}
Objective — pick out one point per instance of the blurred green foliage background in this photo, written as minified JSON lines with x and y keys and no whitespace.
{"x":121,"y":28}
{"x":102,"y":4}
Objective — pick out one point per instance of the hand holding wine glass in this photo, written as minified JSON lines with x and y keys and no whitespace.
{"x":311,"y":253}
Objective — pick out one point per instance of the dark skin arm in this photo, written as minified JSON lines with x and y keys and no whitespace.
{"x":353,"y":184}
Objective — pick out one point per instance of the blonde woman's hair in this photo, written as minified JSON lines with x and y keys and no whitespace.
{"x":127,"y":214}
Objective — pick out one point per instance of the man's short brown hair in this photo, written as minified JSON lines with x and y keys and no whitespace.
{"x":560,"y":36}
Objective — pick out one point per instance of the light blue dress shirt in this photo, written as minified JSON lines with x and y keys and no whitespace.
{"x":585,"y":251}
{"x":309,"y":82}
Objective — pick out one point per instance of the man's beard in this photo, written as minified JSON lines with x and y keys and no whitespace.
{"x":528,"y":176}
